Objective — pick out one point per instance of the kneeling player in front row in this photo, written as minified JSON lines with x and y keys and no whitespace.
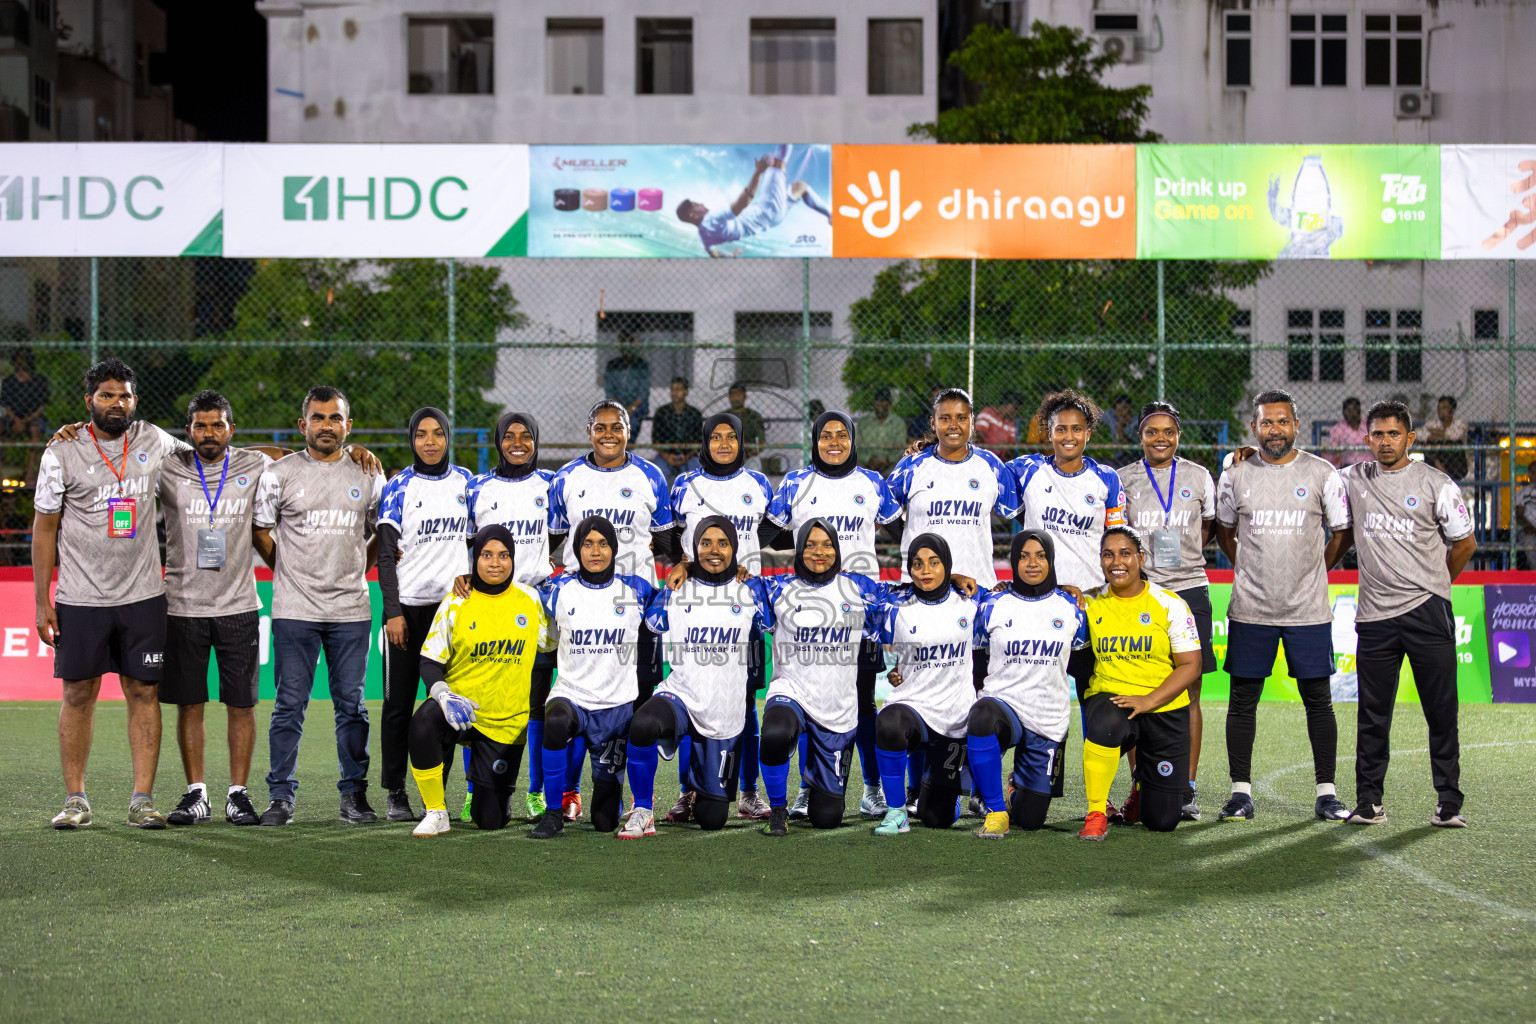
{"x":1029,"y":632}
{"x":1146,"y":653}
{"x":601,"y":617}
{"x":706,"y":627}
{"x":821,"y":617}
{"x":476,"y":661}
{"x":929,"y":626}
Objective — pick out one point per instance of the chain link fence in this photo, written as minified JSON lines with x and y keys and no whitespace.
{"x":873,"y":337}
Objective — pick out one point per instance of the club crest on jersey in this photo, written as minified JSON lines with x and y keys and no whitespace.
{"x":1186,"y":493}
{"x":1145,"y":619}
{"x":1412,"y":501}
{"x":975,"y":485}
{"x":846,"y":607}
{"x":964,"y":622}
{"x":618,"y":609}
{"x":356,"y":493}
{"x":522,"y":622}
{"x":625,"y":492}
{"x":537,"y":503}
{"x":1057,"y":623}
{"x":746,"y":499}
{"x":461,"y":499}
{"x":143,"y":457}
{"x":1165,"y":768}
{"x":1301,"y":492}
{"x":499,"y":766}
{"x":735,"y":609}
{"x":242,"y":480}
{"x":858,"y":499}
{"x":1088,"y":498}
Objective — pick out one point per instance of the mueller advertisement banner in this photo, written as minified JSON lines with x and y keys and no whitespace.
{"x":1511,"y":636}
{"x":1489,"y":208}
{"x":1288,"y":202}
{"x":375,"y":201}
{"x":990,"y":202}
{"x":649,"y":201}
{"x":110,"y":199}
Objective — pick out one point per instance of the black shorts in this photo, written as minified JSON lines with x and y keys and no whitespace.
{"x":235,"y":639}
{"x":1199,"y":601}
{"x":492,"y":764}
{"x":128,"y":639}
{"x":1161,"y":739}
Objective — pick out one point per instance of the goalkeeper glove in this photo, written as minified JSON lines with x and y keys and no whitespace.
{"x":460,"y":711}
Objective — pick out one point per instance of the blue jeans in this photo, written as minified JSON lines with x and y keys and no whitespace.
{"x":296,"y":647}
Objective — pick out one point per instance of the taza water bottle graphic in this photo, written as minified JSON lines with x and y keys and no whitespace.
{"x":1309,"y":217}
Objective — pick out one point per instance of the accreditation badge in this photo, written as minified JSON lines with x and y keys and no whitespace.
{"x":210,"y":549}
{"x":122,"y":517}
{"x":1165,"y":549}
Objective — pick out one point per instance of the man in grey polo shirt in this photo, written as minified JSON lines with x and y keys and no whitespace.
{"x":316,"y":508}
{"x":1414,"y":537}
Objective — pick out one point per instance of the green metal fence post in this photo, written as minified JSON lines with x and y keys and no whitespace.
{"x":95,"y":309}
{"x":805,"y":358}
{"x":1509,"y":344}
{"x":1162,"y":338}
{"x":453,"y":338}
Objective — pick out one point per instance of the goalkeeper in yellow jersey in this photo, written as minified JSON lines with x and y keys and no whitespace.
{"x":477,"y":660}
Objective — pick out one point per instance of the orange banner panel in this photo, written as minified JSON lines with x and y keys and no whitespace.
{"x":993,"y":202}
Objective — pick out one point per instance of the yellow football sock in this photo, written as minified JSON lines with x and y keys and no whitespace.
{"x":430,"y":782}
{"x":1099,"y":767}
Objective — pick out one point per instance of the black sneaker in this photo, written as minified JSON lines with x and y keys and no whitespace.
{"x":778,"y":822}
{"x":1239,"y":807}
{"x":278,"y":812}
{"x":355,"y":809}
{"x":398,"y":807}
{"x":238,"y":809}
{"x":551,"y":825}
{"x":1447,"y":816}
{"x":1330,"y":808}
{"x":192,"y":810}
{"x":913,"y":792}
{"x":1368,"y":814}
{"x":1191,"y":809}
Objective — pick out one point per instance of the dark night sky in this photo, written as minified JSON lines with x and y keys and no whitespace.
{"x":218,"y":56}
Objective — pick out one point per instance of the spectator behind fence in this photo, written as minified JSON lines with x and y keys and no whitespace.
{"x":1348,"y":432}
{"x":754,"y":437}
{"x":998,"y":425}
{"x":882,"y":437}
{"x":627,"y":380}
{"x":25,"y":397}
{"x":1446,"y":429}
{"x":679,"y":424}
{"x":1121,"y":420}
{"x":1525,"y":526}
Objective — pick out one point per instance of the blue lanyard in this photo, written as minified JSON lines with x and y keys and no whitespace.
{"x":1173,"y":474}
{"x":213,"y":502}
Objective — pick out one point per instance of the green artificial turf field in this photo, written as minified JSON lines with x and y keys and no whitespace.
{"x":1283,"y":918}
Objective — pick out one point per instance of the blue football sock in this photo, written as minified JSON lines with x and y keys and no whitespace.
{"x":468,"y":782}
{"x":554,"y":776}
{"x":535,"y":755}
{"x":684,"y":748}
{"x":893,"y":765}
{"x":986,"y":758}
{"x":864,"y":739}
{"x":776,"y":783}
{"x":574,"y":762}
{"x":805,"y":739}
{"x":917,"y":765}
{"x":965,"y":780}
{"x":749,"y":748}
{"x":641,"y":770}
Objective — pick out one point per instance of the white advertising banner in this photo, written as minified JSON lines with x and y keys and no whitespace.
{"x":375,"y":200}
{"x":110,"y":199}
{"x":1488,"y":202}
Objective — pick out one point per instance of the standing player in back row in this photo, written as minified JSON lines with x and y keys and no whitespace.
{"x":1271,"y":513}
{"x":1414,"y":537}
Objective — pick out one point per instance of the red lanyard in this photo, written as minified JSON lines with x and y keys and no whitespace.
{"x":115,"y":471}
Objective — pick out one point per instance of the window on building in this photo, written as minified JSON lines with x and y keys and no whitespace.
{"x":42,"y":102}
{"x":1319,"y":49}
{"x":794,"y":56}
{"x":664,"y":56}
{"x":449,"y":56}
{"x":1242,"y":323}
{"x":768,"y":346}
{"x":1385,"y":328}
{"x":895,"y":56}
{"x":1394,"y":49}
{"x":1315,"y":344}
{"x":573,"y":56}
{"x":1239,"y":40}
{"x":42,"y":12}
{"x":1485,"y":324}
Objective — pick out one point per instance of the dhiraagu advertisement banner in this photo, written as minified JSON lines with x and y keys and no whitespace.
{"x":647,"y":201}
{"x":1288,"y":202}
{"x":375,"y":201}
{"x":1472,"y":680}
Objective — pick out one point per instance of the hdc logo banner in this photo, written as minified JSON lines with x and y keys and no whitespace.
{"x":1511,"y":614}
{"x":110,"y":199}
{"x":376,"y":201}
{"x":1490,"y":203}
{"x":991,"y":202}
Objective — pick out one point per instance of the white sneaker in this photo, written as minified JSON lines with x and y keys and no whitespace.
{"x":873,"y":804}
{"x":802,"y":805}
{"x":641,"y":823}
{"x":434,"y":824}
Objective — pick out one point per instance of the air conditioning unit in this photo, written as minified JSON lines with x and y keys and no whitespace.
{"x":1119,"y":35}
{"x":1415,"y":103}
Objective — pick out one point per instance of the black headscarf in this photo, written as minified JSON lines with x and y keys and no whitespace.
{"x":1046,"y":585}
{"x":940,"y":547}
{"x":604,"y":527}
{"x":440,"y":467}
{"x":477,"y":544}
{"x":801,"y":569}
{"x":697,"y":571}
{"x":850,"y":463}
{"x":707,"y":460}
{"x":505,"y":469}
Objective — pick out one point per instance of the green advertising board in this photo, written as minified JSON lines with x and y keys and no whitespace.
{"x":1288,"y":202}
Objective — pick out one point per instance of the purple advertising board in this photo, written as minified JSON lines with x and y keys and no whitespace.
{"x":1511,"y":617}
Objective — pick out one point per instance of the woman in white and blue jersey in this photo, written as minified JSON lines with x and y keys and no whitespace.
{"x":857,"y":502}
{"x":599,"y":615}
{"x":1027,"y":632}
{"x":929,"y":626}
{"x":821,"y":616}
{"x":423,"y":537}
{"x":722,"y":486}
